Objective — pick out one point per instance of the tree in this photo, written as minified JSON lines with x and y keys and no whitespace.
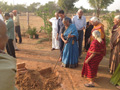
{"x":33,"y":7}
{"x":99,"y":5}
{"x":117,"y":10}
{"x":109,"y":18}
{"x":20,"y":7}
{"x":51,"y":6}
{"x":66,"y":5}
{"x":46,"y":12}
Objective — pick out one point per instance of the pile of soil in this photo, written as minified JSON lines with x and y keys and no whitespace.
{"x":38,"y":80}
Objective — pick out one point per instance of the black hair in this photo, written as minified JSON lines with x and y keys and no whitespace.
{"x":7,"y":14}
{"x":61,"y":12}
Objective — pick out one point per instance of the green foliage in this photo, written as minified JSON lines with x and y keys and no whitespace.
{"x":109,"y":18}
{"x":98,"y":5}
{"x":33,"y":7}
{"x":42,"y":40}
{"x":66,"y":5}
{"x":31,"y":31}
{"x":46,"y":12}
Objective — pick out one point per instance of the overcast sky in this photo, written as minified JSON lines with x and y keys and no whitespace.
{"x":84,"y":3}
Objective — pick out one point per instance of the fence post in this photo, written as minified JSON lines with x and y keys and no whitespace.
{"x":28,"y":19}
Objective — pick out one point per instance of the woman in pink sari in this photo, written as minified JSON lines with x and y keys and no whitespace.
{"x":94,"y":56}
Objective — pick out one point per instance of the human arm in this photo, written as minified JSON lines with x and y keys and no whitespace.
{"x":84,"y":24}
{"x":73,"y":21}
{"x":65,"y":41}
{"x":50,"y":21}
{"x":58,"y":30}
{"x":91,"y":56}
{"x":9,"y":25}
{"x":8,"y":72}
{"x":70,"y":36}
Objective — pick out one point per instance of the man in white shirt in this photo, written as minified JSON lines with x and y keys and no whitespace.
{"x":80,"y":22}
{"x":54,"y":23}
{"x":1,"y":17}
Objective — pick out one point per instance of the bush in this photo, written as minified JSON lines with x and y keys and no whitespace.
{"x":109,"y":19}
{"x":31,"y":31}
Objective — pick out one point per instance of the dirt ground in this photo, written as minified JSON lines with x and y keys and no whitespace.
{"x":40,"y":56}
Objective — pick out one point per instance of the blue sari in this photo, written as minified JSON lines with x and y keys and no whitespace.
{"x":70,"y":52}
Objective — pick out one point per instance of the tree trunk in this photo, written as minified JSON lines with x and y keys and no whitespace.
{"x":98,"y":13}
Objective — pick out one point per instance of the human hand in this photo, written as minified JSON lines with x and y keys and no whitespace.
{"x":86,"y":61}
{"x":83,"y":28}
{"x":89,"y":40}
{"x":57,"y":38}
{"x":65,"y":41}
{"x":69,"y":36}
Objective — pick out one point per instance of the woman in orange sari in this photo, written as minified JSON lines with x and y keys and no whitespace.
{"x":94,"y":56}
{"x":100,"y":27}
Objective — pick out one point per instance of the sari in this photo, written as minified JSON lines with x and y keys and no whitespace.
{"x":90,"y":69}
{"x":70,"y":52}
{"x":87,"y":35}
{"x":100,"y":28}
{"x":115,"y":43}
{"x":115,"y":79}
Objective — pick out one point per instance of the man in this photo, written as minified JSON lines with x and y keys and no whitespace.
{"x":80,"y":22}
{"x":1,"y":17}
{"x":115,"y":45}
{"x":10,"y":32}
{"x":14,"y":42}
{"x":7,"y":63}
{"x":54,"y":23}
{"x":17,"y":25}
{"x":61,"y":29}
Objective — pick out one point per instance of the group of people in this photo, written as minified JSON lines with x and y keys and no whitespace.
{"x":67,"y":35}
{"x":13,"y":28}
{"x":9,"y":28}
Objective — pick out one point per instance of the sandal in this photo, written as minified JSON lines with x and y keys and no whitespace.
{"x":89,"y":85}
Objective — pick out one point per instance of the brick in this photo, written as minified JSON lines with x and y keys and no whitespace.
{"x":21,"y":65}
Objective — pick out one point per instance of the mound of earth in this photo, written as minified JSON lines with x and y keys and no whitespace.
{"x":38,"y":80}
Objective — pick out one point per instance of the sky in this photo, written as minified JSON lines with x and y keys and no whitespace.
{"x":84,"y":3}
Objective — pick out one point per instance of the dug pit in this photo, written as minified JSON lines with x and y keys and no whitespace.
{"x":45,"y":79}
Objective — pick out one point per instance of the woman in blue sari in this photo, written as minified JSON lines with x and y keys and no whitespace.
{"x":70,"y":52}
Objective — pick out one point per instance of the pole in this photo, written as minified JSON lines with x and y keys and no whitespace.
{"x":28,"y":19}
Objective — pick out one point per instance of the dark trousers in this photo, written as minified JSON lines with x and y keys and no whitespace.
{"x":87,"y":44}
{"x":18,"y":32}
{"x":10,"y":48}
{"x":80,"y":40}
{"x":61,"y":45}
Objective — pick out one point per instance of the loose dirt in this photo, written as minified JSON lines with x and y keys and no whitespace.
{"x":38,"y":80}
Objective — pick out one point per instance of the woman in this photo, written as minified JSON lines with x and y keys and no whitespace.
{"x":100,"y":27}
{"x":94,"y":56}
{"x":70,"y":52}
{"x":115,"y":80}
{"x":88,"y":30}
{"x":115,"y":45}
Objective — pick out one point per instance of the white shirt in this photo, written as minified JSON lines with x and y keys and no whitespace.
{"x":54,"y":22}
{"x":79,"y":23}
{"x":1,"y":17}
